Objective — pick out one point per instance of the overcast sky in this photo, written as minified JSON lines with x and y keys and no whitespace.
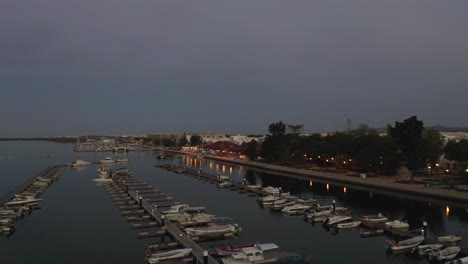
{"x":136,"y":67}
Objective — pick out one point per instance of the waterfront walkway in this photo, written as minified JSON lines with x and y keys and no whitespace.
{"x":385,"y":185}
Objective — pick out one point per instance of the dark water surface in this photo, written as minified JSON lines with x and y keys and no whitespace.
{"x":78,"y":222}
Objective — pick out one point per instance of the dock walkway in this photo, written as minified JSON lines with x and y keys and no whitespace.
{"x":166,"y":227}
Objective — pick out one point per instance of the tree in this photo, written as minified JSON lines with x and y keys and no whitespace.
{"x":296,"y":129}
{"x":275,"y":147}
{"x":183,"y":142}
{"x":195,"y":141}
{"x":457,"y":151}
{"x":251,"y":150}
{"x":363,"y":130}
{"x":433,"y":146}
{"x":408,"y":137}
{"x":168,"y":142}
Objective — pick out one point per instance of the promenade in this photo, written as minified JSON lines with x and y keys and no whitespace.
{"x":385,"y":185}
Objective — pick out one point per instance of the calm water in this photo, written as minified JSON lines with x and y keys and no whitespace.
{"x":78,"y":222}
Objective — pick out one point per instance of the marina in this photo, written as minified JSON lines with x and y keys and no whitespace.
{"x":141,"y":229}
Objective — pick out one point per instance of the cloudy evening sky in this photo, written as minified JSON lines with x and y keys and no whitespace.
{"x":142,"y":66}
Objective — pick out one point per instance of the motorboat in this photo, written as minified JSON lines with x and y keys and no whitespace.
{"x":79,"y":163}
{"x":251,"y":255}
{"x":103,"y":172}
{"x":331,"y":221}
{"x":428,"y":248}
{"x":121,"y":160}
{"x":348,"y":224}
{"x":180,"y":208}
{"x":296,"y":209}
{"x":397,"y":224}
{"x":212,"y":230}
{"x":373,"y":219}
{"x":281,"y":205}
{"x":449,"y":239}
{"x":463,"y":260}
{"x":272,"y":190}
{"x":5,"y":221}
{"x":229,"y":250}
{"x":253,"y":187}
{"x":225,"y":184}
{"x":222,"y":178}
{"x":6,"y":229}
{"x":102,"y":180}
{"x":22,"y":201}
{"x":404,"y":244}
{"x":165,"y":255}
{"x":107,"y":160}
{"x":268,"y":200}
{"x":199,"y":218}
{"x":445,"y":254}
{"x":319,"y":213}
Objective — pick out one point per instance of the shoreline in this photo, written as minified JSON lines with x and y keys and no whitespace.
{"x":385,"y":185}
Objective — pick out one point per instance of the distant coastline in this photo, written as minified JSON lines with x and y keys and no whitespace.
{"x":53,"y":139}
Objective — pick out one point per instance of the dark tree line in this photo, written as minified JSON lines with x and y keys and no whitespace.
{"x":406,"y":143}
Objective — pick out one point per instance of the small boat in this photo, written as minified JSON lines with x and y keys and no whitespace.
{"x":280,"y":206}
{"x":6,"y":229}
{"x":319,"y":213}
{"x":199,"y":218}
{"x":165,"y":255}
{"x":426,"y":249}
{"x":251,"y":255}
{"x":397,"y":224}
{"x":121,"y":160}
{"x":253,"y":186}
{"x":5,"y":221}
{"x":22,"y":201}
{"x":348,"y":224}
{"x":107,"y":160}
{"x":102,"y":180}
{"x":371,"y":219}
{"x":229,"y":250}
{"x":449,"y":238}
{"x":212,"y":230}
{"x":445,"y":254}
{"x":180,"y":208}
{"x":222,"y":178}
{"x":404,"y":244}
{"x":225,"y":184}
{"x":272,"y":190}
{"x":330,"y":221}
{"x":458,"y":261}
{"x":296,"y":209}
{"x":79,"y":163}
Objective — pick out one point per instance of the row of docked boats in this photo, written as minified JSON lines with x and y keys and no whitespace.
{"x":197,"y":222}
{"x":23,"y":202}
{"x":108,"y":160}
{"x":243,"y":254}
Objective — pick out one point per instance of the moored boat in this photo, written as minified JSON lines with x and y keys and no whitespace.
{"x":79,"y":163}
{"x":165,"y":255}
{"x":428,"y":248}
{"x":330,"y":221}
{"x":296,"y":209}
{"x":397,"y":224}
{"x":445,"y":254}
{"x":252,"y":255}
{"x":404,"y":244}
{"x":22,"y":201}
{"x":372,"y":219}
{"x":212,"y":230}
{"x":449,"y":239}
{"x":348,"y":224}
{"x":107,"y":160}
{"x":229,"y":250}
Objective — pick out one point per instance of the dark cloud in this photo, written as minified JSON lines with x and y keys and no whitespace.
{"x":228,"y":66}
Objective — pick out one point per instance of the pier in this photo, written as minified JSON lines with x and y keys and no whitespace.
{"x":141,"y":203}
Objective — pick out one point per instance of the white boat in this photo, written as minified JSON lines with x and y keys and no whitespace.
{"x":180,"y":208}
{"x":253,"y":187}
{"x":103,"y":172}
{"x":107,"y":160}
{"x":225,"y":184}
{"x":251,"y":255}
{"x":330,"y":221}
{"x":426,"y":249}
{"x":404,"y":244}
{"x":319,"y":213}
{"x":272,"y":190}
{"x":102,"y":180}
{"x":222,"y":178}
{"x":397,"y":224}
{"x":79,"y":163}
{"x":5,"y":221}
{"x":449,"y":239}
{"x":268,"y":200}
{"x":6,"y":229}
{"x":296,"y":209}
{"x":372,"y":219}
{"x":348,"y":224}
{"x":171,"y":254}
{"x":212,"y":230}
{"x":200,"y":218}
{"x":22,"y":201}
{"x":445,"y":254}
{"x":280,"y":206}
{"x":121,"y":160}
